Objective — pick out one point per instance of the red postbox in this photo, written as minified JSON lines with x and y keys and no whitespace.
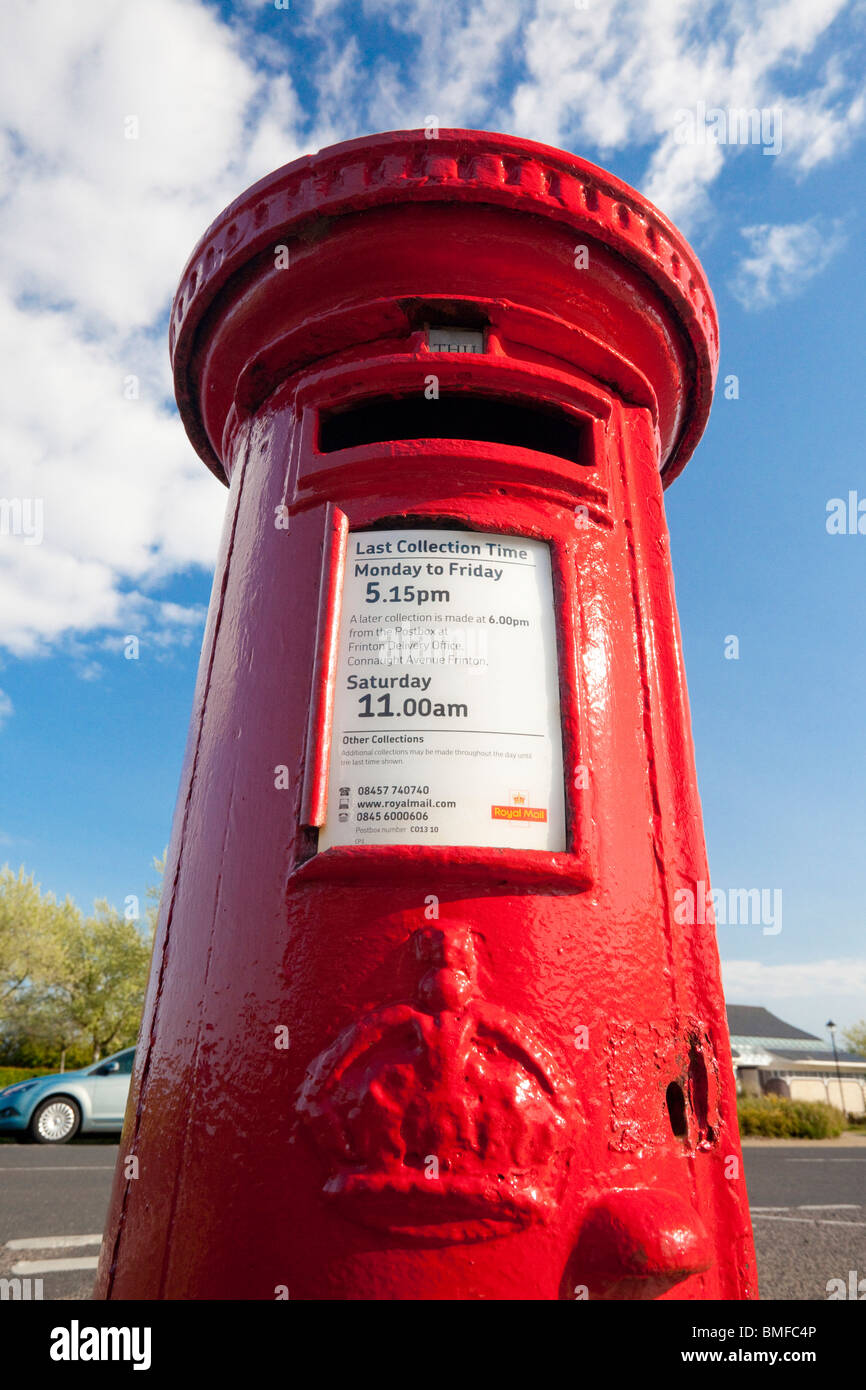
{"x":423,"y":1019}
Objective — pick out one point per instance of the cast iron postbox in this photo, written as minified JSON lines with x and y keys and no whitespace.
{"x":422,"y":1020}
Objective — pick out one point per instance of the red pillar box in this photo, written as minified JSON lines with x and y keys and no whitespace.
{"x":422,"y":1020}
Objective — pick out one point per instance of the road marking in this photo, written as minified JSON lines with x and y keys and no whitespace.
{"x":53,"y":1266}
{"x":52,"y":1242}
{"x":811,"y":1206}
{"x":826,"y":1206}
{"x":810,"y":1221}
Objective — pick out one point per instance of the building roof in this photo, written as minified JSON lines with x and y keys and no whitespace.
{"x":817,"y":1054}
{"x":757,"y":1035}
{"x":747,"y":1021}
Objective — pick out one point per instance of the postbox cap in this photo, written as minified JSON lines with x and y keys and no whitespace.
{"x":455,"y":167}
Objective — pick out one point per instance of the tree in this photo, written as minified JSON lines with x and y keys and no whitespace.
{"x":855,"y":1037}
{"x":34,"y":1027}
{"x":31,"y":923}
{"x":68,"y":983}
{"x":102,"y":978}
{"x":154,"y":892}
{"x":38,"y":1032}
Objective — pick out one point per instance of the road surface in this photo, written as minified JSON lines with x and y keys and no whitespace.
{"x":808,"y":1210}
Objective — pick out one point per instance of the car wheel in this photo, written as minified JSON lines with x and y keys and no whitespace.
{"x":55,"y":1121}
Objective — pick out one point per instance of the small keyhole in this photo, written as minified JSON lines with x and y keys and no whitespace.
{"x":676,"y":1103}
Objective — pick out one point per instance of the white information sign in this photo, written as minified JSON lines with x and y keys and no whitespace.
{"x":446,"y":713}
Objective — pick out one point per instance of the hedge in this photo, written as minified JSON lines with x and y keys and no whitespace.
{"x":9,"y":1075}
{"x":779,"y":1118}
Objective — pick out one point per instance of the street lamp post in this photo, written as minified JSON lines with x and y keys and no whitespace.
{"x":831,"y":1025}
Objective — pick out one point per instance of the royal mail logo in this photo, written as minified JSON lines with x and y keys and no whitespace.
{"x":536,"y":813}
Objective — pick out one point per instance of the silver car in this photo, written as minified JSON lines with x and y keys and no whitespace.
{"x":53,"y":1109}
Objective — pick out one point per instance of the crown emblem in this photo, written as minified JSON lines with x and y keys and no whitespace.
{"x":444,"y":1118}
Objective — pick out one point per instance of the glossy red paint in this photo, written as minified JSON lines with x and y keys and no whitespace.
{"x":555,"y":1039}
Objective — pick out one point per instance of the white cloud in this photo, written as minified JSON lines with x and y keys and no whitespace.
{"x":823,"y":123}
{"x":782,"y":260}
{"x":6,"y":712}
{"x":94,"y":231}
{"x":124,"y":500}
{"x":748,"y":981}
{"x":95,"y":227}
{"x":678,"y":178}
{"x":456,"y":66}
{"x":93,"y":217}
{"x":607,"y":77}
{"x":615,"y":76}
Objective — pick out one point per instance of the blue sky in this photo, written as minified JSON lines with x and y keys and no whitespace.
{"x":95,"y":228}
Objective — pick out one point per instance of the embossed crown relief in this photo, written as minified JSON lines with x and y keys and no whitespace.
{"x":444,"y":1118}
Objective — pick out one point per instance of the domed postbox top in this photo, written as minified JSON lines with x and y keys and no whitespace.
{"x":230,"y":274}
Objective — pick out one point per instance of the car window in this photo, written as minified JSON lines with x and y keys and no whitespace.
{"x":124,"y":1062}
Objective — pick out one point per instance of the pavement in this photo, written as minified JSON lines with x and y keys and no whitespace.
{"x":53,"y":1206}
{"x":808,"y":1201}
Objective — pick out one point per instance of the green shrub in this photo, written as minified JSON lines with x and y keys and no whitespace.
{"x":778,"y":1118}
{"x":9,"y":1075}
